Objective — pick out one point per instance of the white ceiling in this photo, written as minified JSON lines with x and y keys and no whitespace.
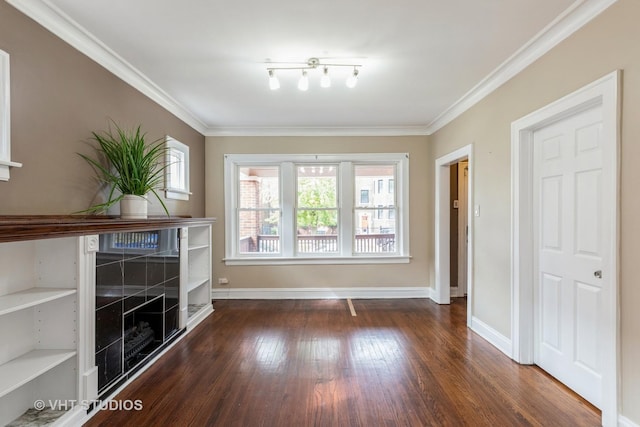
{"x":207,"y":58}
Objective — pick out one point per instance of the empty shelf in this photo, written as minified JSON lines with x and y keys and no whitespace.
{"x":30,"y":297}
{"x":22,"y":369}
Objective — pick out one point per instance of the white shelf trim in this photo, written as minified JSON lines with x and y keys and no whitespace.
{"x":31,"y":297}
{"x":196,"y":282}
{"x":196,"y":246}
{"x":19,"y":371}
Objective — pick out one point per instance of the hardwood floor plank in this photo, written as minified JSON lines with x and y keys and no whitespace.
{"x":310,"y":363}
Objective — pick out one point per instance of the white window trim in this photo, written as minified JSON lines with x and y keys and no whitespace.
{"x":177,"y":193}
{"x":5,"y":119}
{"x":346,"y":204}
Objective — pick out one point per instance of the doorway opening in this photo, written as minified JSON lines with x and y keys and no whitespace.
{"x":443,"y":233}
{"x":458,"y":228}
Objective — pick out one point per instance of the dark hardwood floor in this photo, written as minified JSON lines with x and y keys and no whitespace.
{"x":310,"y":363}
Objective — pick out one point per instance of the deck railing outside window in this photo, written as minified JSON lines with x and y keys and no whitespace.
{"x":364,"y":243}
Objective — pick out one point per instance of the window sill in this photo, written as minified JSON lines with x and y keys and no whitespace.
{"x":399,"y":259}
{"x":4,"y":169}
{"x":176,"y":194}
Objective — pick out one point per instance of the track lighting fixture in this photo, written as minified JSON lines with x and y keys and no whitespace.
{"x":312,"y":64}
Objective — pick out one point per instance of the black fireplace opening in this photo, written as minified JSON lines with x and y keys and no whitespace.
{"x":143,"y":332}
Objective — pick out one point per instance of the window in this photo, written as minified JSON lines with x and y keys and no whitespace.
{"x":5,"y":133}
{"x":392,"y":186}
{"x":317,"y":209}
{"x":177,"y":171}
{"x":259,"y":210}
{"x":380,"y":184}
{"x":288,"y":209}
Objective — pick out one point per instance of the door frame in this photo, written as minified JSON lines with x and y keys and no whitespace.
{"x":604,"y":92}
{"x":442,"y":291}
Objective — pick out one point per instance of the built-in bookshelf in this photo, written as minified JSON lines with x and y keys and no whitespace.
{"x":39,"y":317}
{"x":48,"y":303}
{"x":196,"y":253}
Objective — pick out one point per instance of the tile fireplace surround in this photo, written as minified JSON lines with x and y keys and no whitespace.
{"x":137,"y":288}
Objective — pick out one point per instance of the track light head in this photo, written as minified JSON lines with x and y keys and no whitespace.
{"x":303,"y":83}
{"x":325,"y":80}
{"x":274,"y":83}
{"x":352,"y":81}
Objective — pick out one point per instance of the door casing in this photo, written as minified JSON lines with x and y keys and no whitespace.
{"x":605,"y":92}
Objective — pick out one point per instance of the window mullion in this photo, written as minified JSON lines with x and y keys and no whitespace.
{"x":346,"y":212}
{"x":288,"y":197}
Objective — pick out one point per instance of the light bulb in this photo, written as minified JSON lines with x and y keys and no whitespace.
{"x":303,"y":83}
{"x":352,"y":81}
{"x":325,"y":80}
{"x":274,"y":83}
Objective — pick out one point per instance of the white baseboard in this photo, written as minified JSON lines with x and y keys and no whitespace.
{"x":494,"y":337}
{"x":626,"y":422}
{"x":321,"y":293}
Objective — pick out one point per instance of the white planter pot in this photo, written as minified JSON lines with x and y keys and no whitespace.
{"x":133,"y":207}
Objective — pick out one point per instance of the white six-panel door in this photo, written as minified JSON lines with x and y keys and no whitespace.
{"x":570,"y":239}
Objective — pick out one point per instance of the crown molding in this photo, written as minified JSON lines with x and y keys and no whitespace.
{"x":319,"y":131}
{"x":570,"y":21}
{"x":60,"y":24}
{"x":56,"y":21}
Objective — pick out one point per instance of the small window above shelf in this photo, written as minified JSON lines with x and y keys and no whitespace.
{"x":177,"y":170}
{"x":5,"y":119}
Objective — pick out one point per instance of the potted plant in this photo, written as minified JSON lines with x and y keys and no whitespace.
{"x":130,"y":165}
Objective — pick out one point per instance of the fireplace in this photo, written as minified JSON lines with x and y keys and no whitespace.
{"x":137,"y":301}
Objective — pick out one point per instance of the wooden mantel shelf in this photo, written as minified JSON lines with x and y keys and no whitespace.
{"x":15,"y":228}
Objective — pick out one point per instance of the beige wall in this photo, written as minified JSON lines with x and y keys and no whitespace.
{"x":413,"y":274}
{"x":58,"y":96}
{"x":608,"y":43}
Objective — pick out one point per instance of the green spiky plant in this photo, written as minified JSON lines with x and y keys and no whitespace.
{"x":128,"y":164}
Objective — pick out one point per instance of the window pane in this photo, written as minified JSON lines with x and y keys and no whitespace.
{"x":176,"y":169}
{"x":259,"y":213}
{"x":317,"y":213}
{"x":259,"y":187}
{"x":322,"y":237}
{"x":369,"y":178}
{"x":259,"y":231}
{"x":317,"y":186}
{"x":375,"y":230}
{"x":375,"y":223}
